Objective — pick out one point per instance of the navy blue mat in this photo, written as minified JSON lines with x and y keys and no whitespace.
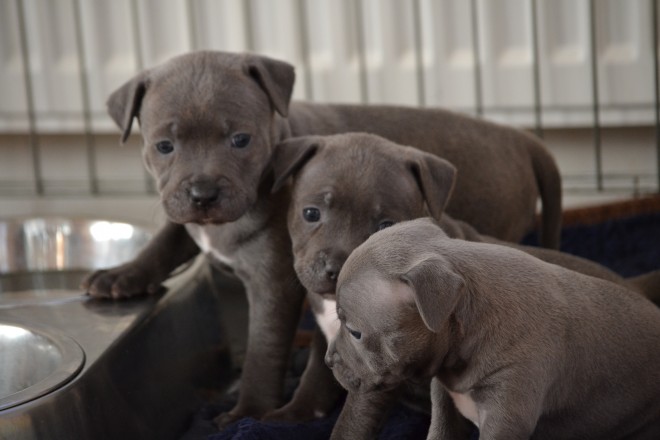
{"x":629,"y":246}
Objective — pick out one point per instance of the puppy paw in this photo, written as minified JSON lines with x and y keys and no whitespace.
{"x":225,"y":419}
{"x":292,"y":415}
{"x":287,"y":416}
{"x":121,"y":282}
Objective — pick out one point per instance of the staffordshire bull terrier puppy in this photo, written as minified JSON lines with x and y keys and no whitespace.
{"x":345,"y":188}
{"x":209,"y":122}
{"x":519,"y":347}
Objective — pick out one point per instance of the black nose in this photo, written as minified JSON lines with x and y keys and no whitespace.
{"x":332,"y":263}
{"x":204,"y":192}
{"x":329,"y":360}
{"x":331,"y":273}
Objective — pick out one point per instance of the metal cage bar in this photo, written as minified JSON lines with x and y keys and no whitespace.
{"x":536,"y":70}
{"x":656,"y":81}
{"x":419,"y":53}
{"x":362,"y":50}
{"x":538,"y":110}
{"x":598,"y":154}
{"x":149,"y":186}
{"x":303,"y":28}
{"x":478,"y":91}
{"x":35,"y":145}
{"x":85,"y":101}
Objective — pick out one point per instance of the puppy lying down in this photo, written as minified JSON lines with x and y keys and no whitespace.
{"x":521,"y":348}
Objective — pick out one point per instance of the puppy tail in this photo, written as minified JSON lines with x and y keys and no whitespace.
{"x":548,"y":181}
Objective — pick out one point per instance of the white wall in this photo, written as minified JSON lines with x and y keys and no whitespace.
{"x":415,"y":52}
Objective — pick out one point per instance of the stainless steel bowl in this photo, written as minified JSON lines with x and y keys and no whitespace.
{"x":34,"y":363}
{"x":42,"y":261}
{"x":43,"y":244}
{"x":146,"y":360}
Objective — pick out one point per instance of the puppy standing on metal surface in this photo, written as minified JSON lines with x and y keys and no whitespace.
{"x":522,"y":348}
{"x":345,"y":188}
{"x":209,"y":121}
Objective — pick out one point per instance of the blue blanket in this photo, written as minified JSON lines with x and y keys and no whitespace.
{"x":629,"y":246}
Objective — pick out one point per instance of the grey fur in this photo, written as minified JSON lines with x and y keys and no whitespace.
{"x":528,"y":349}
{"x":358,"y":180}
{"x":217,"y":196}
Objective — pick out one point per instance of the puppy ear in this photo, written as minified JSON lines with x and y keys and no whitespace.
{"x":436,"y":178}
{"x":276,"y":78}
{"x":125,"y":102}
{"x":291,"y":155}
{"x":436,"y":288}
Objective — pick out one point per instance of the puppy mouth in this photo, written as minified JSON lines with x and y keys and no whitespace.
{"x":207,"y":221}
{"x":207,"y":216}
{"x":350,"y":381}
{"x":386,"y":383}
{"x":180,"y":209}
{"x":321,"y":287}
{"x":332,"y":296}
{"x":346,"y":379}
{"x":212,"y":216}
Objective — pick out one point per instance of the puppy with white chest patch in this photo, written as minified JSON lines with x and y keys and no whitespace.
{"x":210,"y":121}
{"x":345,"y":188}
{"x":522,"y":348}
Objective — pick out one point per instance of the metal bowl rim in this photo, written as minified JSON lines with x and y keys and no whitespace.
{"x":73,"y":361}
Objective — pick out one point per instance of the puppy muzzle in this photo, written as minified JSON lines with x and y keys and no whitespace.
{"x":206,"y":201}
{"x":203,"y":193}
{"x":320,"y":275}
{"x":344,"y":375}
{"x":331,"y":359}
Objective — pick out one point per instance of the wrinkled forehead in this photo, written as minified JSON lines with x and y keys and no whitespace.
{"x":370,"y":297}
{"x":199,"y":93}
{"x":363,"y":171}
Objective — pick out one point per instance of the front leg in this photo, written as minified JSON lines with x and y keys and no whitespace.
{"x":363,"y":415}
{"x":169,"y":249}
{"x":510,"y":403}
{"x":509,"y":418}
{"x":318,"y":391}
{"x":273,"y":318}
{"x":446,"y":421}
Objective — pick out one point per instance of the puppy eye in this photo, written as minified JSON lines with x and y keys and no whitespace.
{"x":164,"y":147}
{"x":385,"y":224}
{"x":356,"y":334}
{"x":240,"y":140}
{"x":311,"y":215}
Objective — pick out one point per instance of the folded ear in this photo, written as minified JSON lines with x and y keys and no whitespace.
{"x":275,"y":77}
{"x":125,"y":102}
{"x":436,"y":288}
{"x":435,"y":177}
{"x":291,"y":155}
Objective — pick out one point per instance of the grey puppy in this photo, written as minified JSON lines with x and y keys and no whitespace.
{"x":345,"y":188}
{"x":521,"y":348}
{"x":209,"y":122}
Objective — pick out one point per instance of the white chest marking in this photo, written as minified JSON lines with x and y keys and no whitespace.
{"x":466,"y":406}
{"x":204,"y":242}
{"x":327,"y":319}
